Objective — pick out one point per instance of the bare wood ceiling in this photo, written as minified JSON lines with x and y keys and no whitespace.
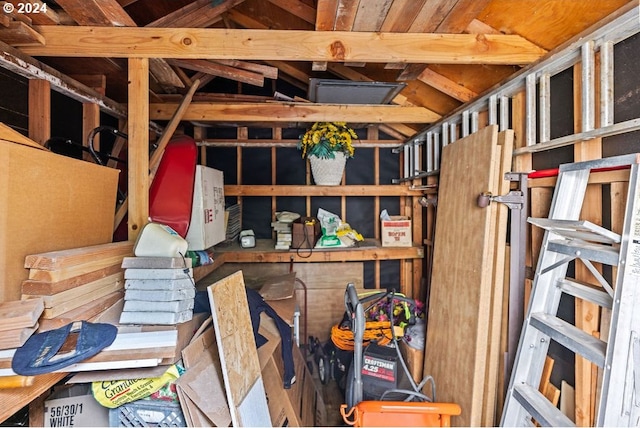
{"x":446,"y":51}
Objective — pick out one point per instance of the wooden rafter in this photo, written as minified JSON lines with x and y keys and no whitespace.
{"x":198,"y":14}
{"x":346,"y":14}
{"x":302,"y":112}
{"x":297,"y":8}
{"x":45,"y":16}
{"x":17,"y":33}
{"x":401,"y":14}
{"x":326,"y":15}
{"x":213,"y":43}
{"x":370,"y":15}
{"x":445,"y":17}
{"x":446,"y":85}
{"x":111,"y":13}
{"x":220,"y":70}
{"x":267,"y":71}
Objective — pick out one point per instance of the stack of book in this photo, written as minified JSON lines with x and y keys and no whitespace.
{"x":283,"y":227}
{"x":283,"y":234}
{"x":158,"y":290}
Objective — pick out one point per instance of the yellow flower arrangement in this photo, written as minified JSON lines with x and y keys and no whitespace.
{"x":323,"y":139}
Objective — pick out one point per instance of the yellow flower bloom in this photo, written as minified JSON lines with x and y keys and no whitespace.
{"x":323,"y":139}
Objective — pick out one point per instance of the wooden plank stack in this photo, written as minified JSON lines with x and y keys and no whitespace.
{"x":158,"y":290}
{"x":19,"y":321}
{"x":76,"y":284}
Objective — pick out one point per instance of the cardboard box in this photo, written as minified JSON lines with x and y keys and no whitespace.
{"x":305,"y":235}
{"x":207,"y":225}
{"x":49,"y":202}
{"x":75,"y":407}
{"x":396,"y":232}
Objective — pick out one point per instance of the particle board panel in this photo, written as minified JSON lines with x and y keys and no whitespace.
{"x":460,"y":298}
{"x":238,"y":353}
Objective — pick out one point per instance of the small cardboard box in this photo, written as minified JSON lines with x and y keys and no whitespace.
{"x":207,"y":228}
{"x":306,"y":231}
{"x":75,"y":407}
{"x":396,"y":232}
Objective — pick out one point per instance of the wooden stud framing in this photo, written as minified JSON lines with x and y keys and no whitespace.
{"x":138,"y":190}
{"x":39,"y":110}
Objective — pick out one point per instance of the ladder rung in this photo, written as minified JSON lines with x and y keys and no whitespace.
{"x":586,"y":292}
{"x":538,"y":406}
{"x":594,"y":252}
{"x":571,"y":337}
{"x":577,"y":229}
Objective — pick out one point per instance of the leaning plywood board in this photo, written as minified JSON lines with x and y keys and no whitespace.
{"x":36,"y":208}
{"x":238,"y":354}
{"x":460,"y":296}
{"x":490,"y":412}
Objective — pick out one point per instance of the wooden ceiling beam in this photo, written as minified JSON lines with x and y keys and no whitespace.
{"x":298,"y":112}
{"x":333,"y":46}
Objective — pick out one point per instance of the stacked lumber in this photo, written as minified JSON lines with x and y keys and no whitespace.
{"x":158,"y":290}
{"x":19,"y":321}
{"x":466,"y":296}
{"x":76,"y":284}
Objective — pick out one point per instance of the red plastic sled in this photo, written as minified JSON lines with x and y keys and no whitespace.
{"x":171,"y":193}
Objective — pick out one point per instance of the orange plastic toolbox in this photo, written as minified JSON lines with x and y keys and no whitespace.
{"x":399,"y":413}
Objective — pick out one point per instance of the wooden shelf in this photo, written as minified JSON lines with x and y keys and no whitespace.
{"x":264,"y":252}
{"x":314,"y":190}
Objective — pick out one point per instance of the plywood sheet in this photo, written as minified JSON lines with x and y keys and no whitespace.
{"x":500,"y":281}
{"x":238,"y":353}
{"x":460,"y":297}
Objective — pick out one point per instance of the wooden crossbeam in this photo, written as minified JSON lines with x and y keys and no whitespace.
{"x":341,"y":46}
{"x":286,"y":112}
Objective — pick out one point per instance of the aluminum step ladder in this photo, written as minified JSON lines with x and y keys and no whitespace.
{"x":566,"y":239}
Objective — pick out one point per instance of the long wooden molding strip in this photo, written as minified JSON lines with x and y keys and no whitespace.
{"x":341,"y":46}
